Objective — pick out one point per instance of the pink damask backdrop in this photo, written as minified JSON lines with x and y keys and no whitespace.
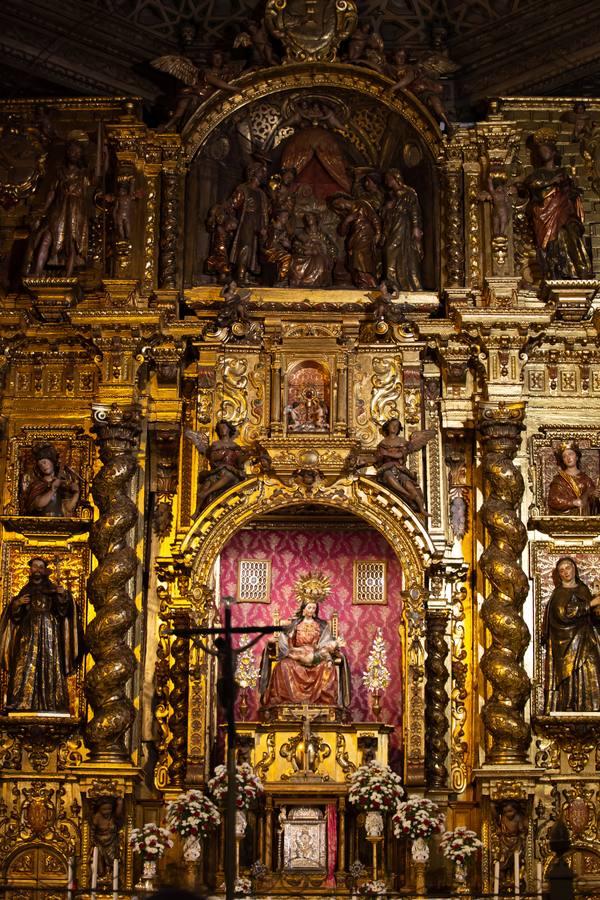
{"x":294,"y":553}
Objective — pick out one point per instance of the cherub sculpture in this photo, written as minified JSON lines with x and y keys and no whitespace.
{"x":199,"y":84}
{"x":423,"y":79}
{"x":257,"y":38}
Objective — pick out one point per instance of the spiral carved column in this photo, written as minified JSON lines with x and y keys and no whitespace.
{"x":117,"y":431}
{"x":436,"y":699}
{"x":178,"y":699}
{"x":500,"y":426}
{"x":169,"y":209}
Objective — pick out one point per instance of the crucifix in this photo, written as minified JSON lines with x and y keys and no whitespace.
{"x":226,"y":653}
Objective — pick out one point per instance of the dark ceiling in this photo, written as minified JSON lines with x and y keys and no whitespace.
{"x":103,"y":47}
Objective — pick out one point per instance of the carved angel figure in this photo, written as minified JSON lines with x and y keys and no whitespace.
{"x":227,"y":462}
{"x":235,"y":306}
{"x":199,"y":84}
{"x":390,"y":459}
{"x":423,"y":79}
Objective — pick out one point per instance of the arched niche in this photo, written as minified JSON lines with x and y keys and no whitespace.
{"x":255,"y":499}
{"x":380,"y":131}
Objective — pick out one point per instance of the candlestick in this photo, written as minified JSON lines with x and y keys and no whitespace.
{"x":517,"y":874}
{"x":496,"y":879}
{"x":540,"y":879}
{"x":115,"y":879}
{"x":94,"y":883}
{"x":70,"y":878}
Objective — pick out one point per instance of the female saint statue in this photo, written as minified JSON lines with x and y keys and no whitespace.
{"x":571,"y":491}
{"x":305,"y":670}
{"x":555,"y":211}
{"x":402,"y":234}
{"x":571,"y":631}
{"x":48,"y":490}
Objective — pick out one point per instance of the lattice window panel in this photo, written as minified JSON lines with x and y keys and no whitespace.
{"x":254,"y":581}
{"x":370,"y":582}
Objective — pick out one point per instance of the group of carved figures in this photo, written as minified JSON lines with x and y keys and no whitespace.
{"x":379,"y":227}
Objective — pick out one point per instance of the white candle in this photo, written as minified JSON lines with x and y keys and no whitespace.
{"x":539,"y":878}
{"x":517,"y":874}
{"x":94,"y":883}
{"x":115,"y":879}
{"x":70,"y":878}
{"x":496,"y":879}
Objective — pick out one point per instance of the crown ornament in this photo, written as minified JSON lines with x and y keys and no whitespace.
{"x":315,"y":586}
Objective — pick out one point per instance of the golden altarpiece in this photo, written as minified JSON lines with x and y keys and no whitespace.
{"x":158,"y":282}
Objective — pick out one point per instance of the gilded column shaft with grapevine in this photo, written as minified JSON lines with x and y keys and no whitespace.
{"x":117,"y":430}
{"x":499,"y":428}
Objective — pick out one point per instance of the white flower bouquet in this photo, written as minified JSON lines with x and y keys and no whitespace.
{"x":375,"y":788}
{"x":460,"y":844}
{"x":192,"y":814}
{"x":249,"y":785}
{"x":243,"y":886}
{"x":416,"y":818}
{"x":373,"y":887}
{"x":150,"y":841}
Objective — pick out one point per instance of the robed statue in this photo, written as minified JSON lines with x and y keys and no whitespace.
{"x":572,"y":492}
{"x":309,"y":667}
{"x":41,"y":644}
{"x":571,"y":633}
{"x":50,"y":489}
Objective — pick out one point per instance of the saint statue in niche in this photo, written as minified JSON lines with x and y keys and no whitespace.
{"x":572,"y":492}
{"x":49,"y":489}
{"x":571,"y":632}
{"x":310,"y":667}
{"x":41,"y":644}
{"x":308,"y":396}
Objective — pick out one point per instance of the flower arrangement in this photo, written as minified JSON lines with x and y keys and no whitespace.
{"x":192,"y":815}
{"x":416,"y":818}
{"x":249,"y":785}
{"x":243,"y":886}
{"x":151,"y":841}
{"x":375,"y":788}
{"x":373,"y":887}
{"x":460,"y":844}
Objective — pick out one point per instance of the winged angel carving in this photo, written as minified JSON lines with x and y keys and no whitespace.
{"x":390,"y":457}
{"x":198,"y":84}
{"x":226,"y":460}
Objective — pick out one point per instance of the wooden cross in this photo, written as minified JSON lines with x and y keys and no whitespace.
{"x":226,"y":654}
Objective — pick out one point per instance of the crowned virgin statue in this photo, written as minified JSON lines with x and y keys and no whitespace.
{"x":309,"y":667}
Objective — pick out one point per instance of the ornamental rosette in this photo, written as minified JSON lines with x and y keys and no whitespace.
{"x":150,"y":841}
{"x":192,"y":814}
{"x":375,"y":788}
{"x":249,"y":785}
{"x":460,"y":844}
{"x":417,"y":818}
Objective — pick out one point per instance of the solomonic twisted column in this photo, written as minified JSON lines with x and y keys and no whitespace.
{"x":436,"y":699}
{"x":117,"y":431}
{"x":499,"y":427}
